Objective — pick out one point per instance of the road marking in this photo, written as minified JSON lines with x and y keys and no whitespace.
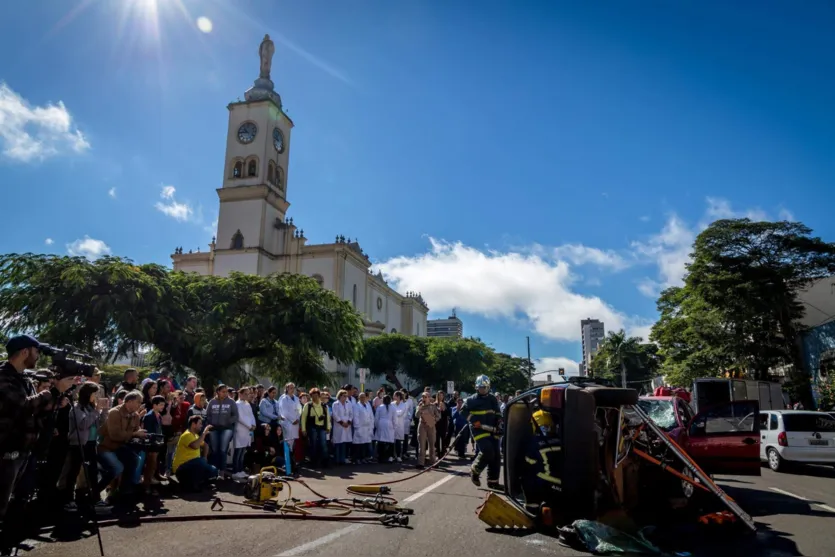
{"x":788,"y":493}
{"x":354,"y":527}
{"x":827,"y":508}
{"x":320,"y":541}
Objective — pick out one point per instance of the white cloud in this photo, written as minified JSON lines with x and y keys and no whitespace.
{"x":785,"y":214}
{"x":29,"y":133}
{"x":670,"y":249}
{"x":546,"y":366}
{"x":508,"y":285}
{"x":49,"y":241}
{"x":583,"y":255}
{"x":174,"y":209}
{"x":721,"y":209}
{"x":89,"y":248}
{"x":112,"y":192}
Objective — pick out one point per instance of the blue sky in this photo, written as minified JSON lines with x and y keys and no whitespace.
{"x":528,"y":163}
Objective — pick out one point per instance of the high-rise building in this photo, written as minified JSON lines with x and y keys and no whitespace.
{"x":451,"y":327}
{"x":592,"y":333}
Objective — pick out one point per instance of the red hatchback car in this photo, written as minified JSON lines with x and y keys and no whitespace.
{"x":724,"y":439}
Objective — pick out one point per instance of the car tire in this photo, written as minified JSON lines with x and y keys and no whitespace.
{"x":775,"y":461}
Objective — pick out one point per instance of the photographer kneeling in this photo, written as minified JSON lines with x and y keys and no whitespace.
{"x":191,"y":469}
{"x":21,"y":410}
{"x":115,"y":453}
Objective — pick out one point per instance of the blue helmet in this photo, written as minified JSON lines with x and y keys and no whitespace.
{"x":482,"y":381}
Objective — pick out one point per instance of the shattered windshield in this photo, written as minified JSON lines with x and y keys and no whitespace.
{"x":662,"y":412}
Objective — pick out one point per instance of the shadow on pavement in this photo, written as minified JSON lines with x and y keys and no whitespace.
{"x":766,"y":503}
{"x":810,"y":470}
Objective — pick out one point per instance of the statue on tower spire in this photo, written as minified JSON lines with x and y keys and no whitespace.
{"x":266,"y":52}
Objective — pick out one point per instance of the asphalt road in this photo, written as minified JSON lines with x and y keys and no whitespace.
{"x":794,"y":511}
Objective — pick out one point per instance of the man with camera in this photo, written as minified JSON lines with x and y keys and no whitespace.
{"x":116,"y":455}
{"x":21,"y":410}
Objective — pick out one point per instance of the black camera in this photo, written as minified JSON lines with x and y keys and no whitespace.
{"x":153,"y":443}
{"x":64,"y":366}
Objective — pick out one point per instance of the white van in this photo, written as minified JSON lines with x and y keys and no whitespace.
{"x":796,"y":436}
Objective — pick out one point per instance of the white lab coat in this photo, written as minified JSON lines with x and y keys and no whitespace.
{"x":384,"y":420}
{"x":246,"y":420}
{"x":290,"y":410}
{"x":401,"y":417}
{"x":409,"y":415}
{"x":363,"y":423}
{"x":342,"y":412}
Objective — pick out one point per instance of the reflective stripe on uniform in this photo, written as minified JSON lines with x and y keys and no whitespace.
{"x":482,"y":412}
{"x":546,"y":473}
{"x":481,"y":436}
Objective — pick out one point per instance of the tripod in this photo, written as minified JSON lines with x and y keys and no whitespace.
{"x":91,"y":485}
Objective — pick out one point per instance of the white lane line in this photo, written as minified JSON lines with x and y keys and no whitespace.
{"x":354,"y":527}
{"x":321,"y":541}
{"x":827,"y":508}
{"x":788,"y":493}
{"x":426,"y":490}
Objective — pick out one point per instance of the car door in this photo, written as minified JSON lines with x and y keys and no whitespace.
{"x":764,"y":419}
{"x":725,"y":438}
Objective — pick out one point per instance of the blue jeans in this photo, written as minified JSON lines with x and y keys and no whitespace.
{"x":318,"y":446}
{"x":340,"y":452}
{"x":113,"y":463}
{"x":238,"y":460}
{"x":194,"y":473}
{"x":219,"y":440}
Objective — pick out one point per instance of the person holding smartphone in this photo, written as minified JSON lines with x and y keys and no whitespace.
{"x":190,"y":468}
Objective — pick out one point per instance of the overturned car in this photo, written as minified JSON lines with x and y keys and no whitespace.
{"x":587,"y":451}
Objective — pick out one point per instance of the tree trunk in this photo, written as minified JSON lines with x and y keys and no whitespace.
{"x":623,"y":374}
{"x":391,"y":377}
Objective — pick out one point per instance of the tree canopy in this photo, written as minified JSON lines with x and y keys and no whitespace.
{"x":281,"y":324}
{"x":738,"y":308}
{"x":625,"y":359}
{"x":434,"y":361}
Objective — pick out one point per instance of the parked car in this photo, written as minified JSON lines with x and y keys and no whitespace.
{"x":796,"y":436}
{"x":723,"y":439}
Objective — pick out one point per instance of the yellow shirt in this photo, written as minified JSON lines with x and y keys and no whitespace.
{"x":184,"y":453}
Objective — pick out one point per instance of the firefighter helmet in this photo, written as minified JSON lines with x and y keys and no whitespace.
{"x":543,"y":421}
{"x":482,"y":381}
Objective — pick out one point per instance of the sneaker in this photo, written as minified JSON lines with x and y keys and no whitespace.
{"x":71,"y":507}
{"x":390,"y":459}
{"x":155,"y":481}
{"x":474,"y":477}
{"x":102,"y":508}
{"x":240,"y":475}
{"x":347,"y":461}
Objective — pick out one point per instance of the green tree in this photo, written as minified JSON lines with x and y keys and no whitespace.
{"x":508,"y":373}
{"x":738,"y":308}
{"x":458,"y":360}
{"x":620,"y":356}
{"x":100,"y":307}
{"x":384,"y":355}
{"x":281,"y":324}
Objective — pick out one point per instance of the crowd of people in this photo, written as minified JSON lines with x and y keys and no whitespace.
{"x":140,"y":434}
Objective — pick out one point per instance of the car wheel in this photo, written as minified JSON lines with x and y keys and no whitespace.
{"x":775,"y":461}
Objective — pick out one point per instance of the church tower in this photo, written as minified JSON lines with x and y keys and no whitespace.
{"x":253,"y":199}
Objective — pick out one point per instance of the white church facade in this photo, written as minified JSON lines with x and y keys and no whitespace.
{"x":255,"y":235}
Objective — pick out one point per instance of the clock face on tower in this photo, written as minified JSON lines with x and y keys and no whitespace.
{"x":246,"y":133}
{"x":278,"y":140}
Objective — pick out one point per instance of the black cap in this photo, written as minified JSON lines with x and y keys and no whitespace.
{"x":21,"y":342}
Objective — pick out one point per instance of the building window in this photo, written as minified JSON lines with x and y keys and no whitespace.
{"x":279,"y":177}
{"x":418,"y":329}
{"x":379,"y":303}
{"x":319,"y":279}
{"x":252,"y":169}
{"x":238,"y":170}
{"x":238,"y":240}
{"x":271,"y":173}
{"x":354,"y":296}
{"x":393,"y":330}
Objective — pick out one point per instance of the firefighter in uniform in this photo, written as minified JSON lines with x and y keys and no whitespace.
{"x":483,"y":413}
{"x":543,"y":462}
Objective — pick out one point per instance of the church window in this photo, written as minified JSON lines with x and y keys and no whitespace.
{"x":279,"y":177}
{"x":393,"y":331}
{"x":251,"y":169}
{"x":271,"y":173}
{"x":238,"y":171}
{"x":354,"y":297}
{"x":319,"y":279}
{"x":238,"y":240}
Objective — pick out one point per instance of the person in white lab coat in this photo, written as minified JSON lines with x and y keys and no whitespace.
{"x":343,"y":419}
{"x":401,"y":419}
{"x":363,"y":429}
{"x":290,"y":413}
{"x":244,"y":431}
{"x":384,"y":421}
{"x":410,"y":413}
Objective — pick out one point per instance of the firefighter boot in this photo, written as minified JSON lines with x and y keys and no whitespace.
{"x":474,"y":476}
